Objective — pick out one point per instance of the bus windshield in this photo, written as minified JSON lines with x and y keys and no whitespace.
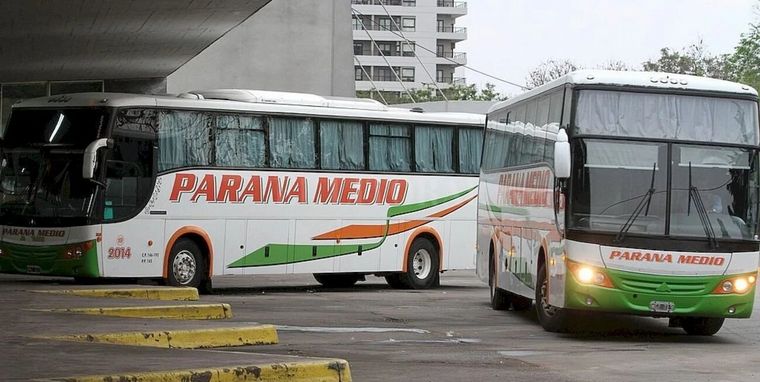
{"x":667,"y":116}
{"x":41,"y":175}
{"x":713,"y":190}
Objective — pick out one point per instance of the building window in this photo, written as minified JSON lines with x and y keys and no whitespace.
{"x":408,"y":24}
{"x":439,"y":76}
{"x":409,"y":3}
{"x":385,"y":24}
{"x":356,"y":23}
{"x":407,"y":49}
{"x":383,"y":74}
{"x":386,"y":48}
{"x":441,"y":27}
{"x":358,"y":73}
{"x":358,"y":49}
{"x":407,"y":74}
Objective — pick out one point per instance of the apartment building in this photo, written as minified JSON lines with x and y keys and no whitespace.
{"x":416,"y":39}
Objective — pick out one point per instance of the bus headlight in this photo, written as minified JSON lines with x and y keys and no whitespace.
{"x":586,"y":274}
{"x":736,"y":284}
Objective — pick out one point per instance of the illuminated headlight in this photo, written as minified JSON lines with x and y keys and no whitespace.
{"x":736,"y":284}
{"x":586,"y":274}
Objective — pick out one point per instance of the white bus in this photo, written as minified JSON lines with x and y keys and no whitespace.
{"x":624,"y":192}
{"x":237,"y":182}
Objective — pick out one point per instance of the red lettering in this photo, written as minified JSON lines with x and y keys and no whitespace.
{"x":275,"y":191}
{"x":298,"y":191}
{"x":348,"y":194}
{"x":207,"y":189}
{"x":252,"y":190}
{"x":183,"y":183}
{"x":328,"y":191}
{"x":228,"y":189}
{"x":396,"y":191}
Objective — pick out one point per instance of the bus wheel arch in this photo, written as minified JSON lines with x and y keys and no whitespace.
{"x":423,"y":261}
{"x":195,"y":243}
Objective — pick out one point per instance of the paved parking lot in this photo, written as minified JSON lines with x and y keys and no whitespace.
{"x":445,"y":334}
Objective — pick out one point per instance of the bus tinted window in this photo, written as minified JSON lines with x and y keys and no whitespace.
{"x":341,"y":145}
{"x":291,"y":143}
{"x":496,"y":146}
{"x":183,"y":139}
{"x":389,"y":147}
{"x":240,"y":141}
{"x":433,"y":149}
{"x":470,"y":141}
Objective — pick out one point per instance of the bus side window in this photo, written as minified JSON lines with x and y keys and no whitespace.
{"x":184,"y":139}
{"x":390,"y":147}
{"x":240,"y":141}
{"x":470,"y":141}
{"x":341,"y":145}
{"x":292,"y":143}
{"x":433,"y":149}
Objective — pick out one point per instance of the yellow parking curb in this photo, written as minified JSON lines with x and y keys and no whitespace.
{"x":183,"y":339}
{"x":309,"y":371}
{"x":176,"y":294}
{"x":176,"y":312}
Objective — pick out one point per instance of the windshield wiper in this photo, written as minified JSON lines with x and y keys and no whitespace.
{"x":643,"y":205}
{"x":701,"y":211}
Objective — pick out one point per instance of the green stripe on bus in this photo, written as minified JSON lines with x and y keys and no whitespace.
{"x":280,"y":254}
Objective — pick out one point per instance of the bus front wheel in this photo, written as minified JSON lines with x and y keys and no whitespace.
{"x":551,"y":318}
{"x":701,"y":326}
{"x":186,"y":265}
{"x":422,"y":265}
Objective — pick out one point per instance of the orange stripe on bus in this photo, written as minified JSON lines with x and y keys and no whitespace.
{"x":362,"y":231}
{"x":182,"y":232}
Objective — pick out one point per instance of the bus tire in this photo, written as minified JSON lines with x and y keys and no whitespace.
{"x":499,"y":297}
{"x":187,"y":264}
{"x":337,"y":280}
{"x":701,"y":326}
{"x":422,"y":264}
{"x":552,"y":319}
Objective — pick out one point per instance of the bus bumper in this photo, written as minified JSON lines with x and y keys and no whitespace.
{"x":71,"y":260}
{"x":634,"y":293}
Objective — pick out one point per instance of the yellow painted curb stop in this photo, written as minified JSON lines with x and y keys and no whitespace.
{"x":183,"y":339}
{"x":176,"y":312}
{"x":175,"y":294}
{"x":309,"y":371}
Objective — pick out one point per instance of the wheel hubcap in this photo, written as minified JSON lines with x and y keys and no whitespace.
{"x":422,"y":264}
{"x":184,"y":267}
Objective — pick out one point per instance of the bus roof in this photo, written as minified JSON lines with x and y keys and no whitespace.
{"x":256,"y":101}
{"x":655,"y":80}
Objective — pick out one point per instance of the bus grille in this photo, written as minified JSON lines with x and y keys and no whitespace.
{"x":35,"y":254}
{"x":670,"y":285}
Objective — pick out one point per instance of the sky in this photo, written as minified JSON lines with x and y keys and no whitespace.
{"x":509,"y":38}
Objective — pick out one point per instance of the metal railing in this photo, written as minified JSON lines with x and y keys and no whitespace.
{"x":452,"y":29}
{"x":452,"y":4}
{"x":450,"y":79}
{"x":401,"y":3}
{"x":453,"y":55}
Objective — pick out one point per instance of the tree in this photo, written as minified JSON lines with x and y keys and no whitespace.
{"x":455,"y":92}
{"x":549,"y":71}
{"x":693,"y":60}
{"x":744,"y":63}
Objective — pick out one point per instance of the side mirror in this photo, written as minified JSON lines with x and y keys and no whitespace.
{"x":562,"y":156}
{"x":91,"y":156}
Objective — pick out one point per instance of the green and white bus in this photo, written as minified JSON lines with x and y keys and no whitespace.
{"x":625,"y":192}
{"x":237,"y":182}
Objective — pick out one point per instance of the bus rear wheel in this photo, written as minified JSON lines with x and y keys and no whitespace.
{"x":701,"y":326}
{"x":422,"y":265}
{"x":337,"y":280}
{"x":187,"y":266}
{"x":551,"y":318}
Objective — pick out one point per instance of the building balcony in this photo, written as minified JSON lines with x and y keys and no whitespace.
{"x":451,"y":7}
{"x":452,"y":58}
{"x":452,"y":33}
{"x":396,"y":3}
{"x":451,"y":80}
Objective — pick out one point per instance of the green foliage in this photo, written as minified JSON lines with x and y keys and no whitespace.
{"x":744,"y":63}
{"x":454,"y":92}
{"x":694,"y":60}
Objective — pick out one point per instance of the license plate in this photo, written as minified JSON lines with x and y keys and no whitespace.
{"x":33,"y":269}
{"x":661,"y":306}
